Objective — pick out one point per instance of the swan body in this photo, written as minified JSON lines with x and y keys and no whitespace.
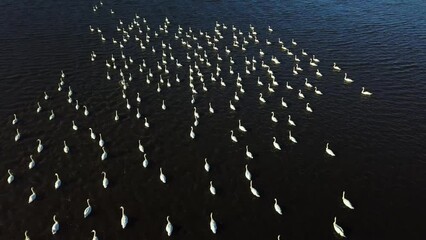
{"x":32,"y":196}
{"x":336,"y":68}
{"x":338,"y":229}
{"x":253,"y":190}
{"x":241,"y":127}
{"x":92,"y":134}
{"x":284,"y":104}
{"x":141,"y":148}
{"x":192,"y":134}
{"x":124,"y":219}
{"x":88,"y":209}
{"x":40,"y":146}
{"x":233,"y":138}
{"x":213,"y":226}
{"x":277,"y":207}
{"x":32,"y":163}
{"x":212,"y":188}
{"x":290,"y":122}
{"x":308,"y":108}
{"x":206,"y":165}
{"x":58,"y":181}
{"x":15,"y":119}
{"x":52,"y":115}
{"x":307,"y":84}
{"x":210,"y":108}
{"x":94,"y":235}
{"x":248,"y":153}
{"x":101,"y":141}
{"x":17,"y":136}
{"x":346,"y":201}
{"x":162,"y":176}
{"x":261,"y":98}
{"x":74,"y":127}
{"x":55,"y":226}
{"x":105,"y":180}
{"x":146,"y":123}
{"x":329,"y":151}
{"x":11,"y":177}
{"x":346,"y":79}
{"x":318,"y":73}
{"x":366,"y":93}
{"x":291,"y":138}
{"x":247,"y":173}
{"x":273,"y":118}
{"x":231,"y":106}
{"x":145,"y":161}
{"x":169,"y":227}
{"x":104,"y":154}
{"x":163,"y":106}
{"x":276,"y":145}
{"x":288,"y":86}
{"x":300,"y":94}
{"x":318,"y":92}
{"x":66,"y":148}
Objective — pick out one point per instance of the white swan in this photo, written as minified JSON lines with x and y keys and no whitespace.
{"x":105,"y":180}
{"x":291,"y":138}
{"x":94,"y":235}
{"x":248,"y":153}
{"x":233,"y":138}
{"x":261,"y":98}
{"x":32,"y":163}
{"x":11,"y":177}
{"x":169,"y":227}
{"x":40,"y":146}
{"x":329,"y":151}
{"x":313,"y":64}
{"x":318,"y":73}
{"x":366,"y":93}
{"x":74,"y":127}
{"x":318,"y":92}
{"x":192,"y":134}
{"x":247,"y":173}
{"x":253,"y":190}
{"x":141,"y":148}
{"x":336,"y":68}
{"x":146,"y":123}
{"x":206,"y":165}
{"x":213,"y":226}
{"x":15,"y":119}
{"x":284,"y":104}
{"x":277,"y":207}
{"x":101,"y":141}
{"x":17,"y":136}
{"x":346,"y":201}
{"x":210,"y":108}
{"x":270,"y":89}
{"x":104,"y":154}
{"x":58,"y":181}
{"x":300,"y":94}
{"x":162,"y":176}
{"x":26,"y":236}
{"x":276,"y":145}
{"x":231,"y":106}
{"x":52,"y":115}
{"x":88,"y":209}
{"x":145,"y":161}
{"x":308,"y":108}
{"x":212,"y":188}
{"x":92,"y":134}
{"x":273,"y":118}
{"x":338,"y":229}
{"x":307,"y":84}
{"x":55,"y":226}
{"x":66,"y":148}
{"x":124,"y":219}
{"x":38,"y":107}
{"x":32,"y":196}
{"x":290,"y":122}
{"x":163,"y":106}
{"x":116,"y":117}
{"x":346,"y":79}
{"x":241,"y":127}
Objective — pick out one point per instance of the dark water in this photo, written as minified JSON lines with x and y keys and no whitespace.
{"x":378,"y":140}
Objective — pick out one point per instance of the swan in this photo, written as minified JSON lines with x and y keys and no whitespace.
{"x":290,"y":122}
{"x":291,"y":138}
{"x":192,"y":134}
{"x":58,"y":181}
{"x":101,"y":141}
{"x":318,"y":92}
{"x":210,"y":108}
{"x":52,"y":115}
{"x":55,"y":226}
{"x":329,"y":151}
{"x":146,"y":123}
{"x":301,"y":96}
{"x":293,"y":42}
{"x":46,"y":96}
{"x":248,"y":153}
{"x":231,"y":106}
{"x":261,"y":98}
{"x":124,"y":219}
{"x":311,"y":63}
{"x":213,"y":225}
{"x":270,"y":89}
{"x":247,"y":173}
{"x":212,"y":188}
{"x":295,"y":72}
{"x":298,"y":68}
{"x":66,"y":148}
{"x":270,"y":29}
{"x":32,"y":163}
{"x":169,"y":227}
{"x":336,"y":68}
{"x":145,"y":161}
{"x":116,"y":117}
{"x":105,"y":180}
{"x":241,"y":127}
{"x":304,"y":53}
{"x":86,"y":112}
{"x":366,"y":93}
{"x":76,"y":105}
{"x":288,"y":86}
{"x":17,"y":136}
{"x":276,"y":145}
{"x":104,"y":154}
{"x":162,"y":176}
{"x":94,"y":235}
{"x":253,"y":190}
{"x":308,"y":108}
{"x":15,"y":119}
{"x":38,"y":107}
{"x":315,"y":59}
{"x":74,"y":127}
{"x":141,"y":148}
{"x":318,"y":74}
{"x":273,"y":118}
{"x":259,"y":82}
{"x":307,"y":84}
{"x":92,"y":134}
{"x":11,"y":177}
{"x":196,"y":115}
{"x":346,"y":201}
{"x":206,"y":165}
{"x":26,"y":235}
{"x":284,"y":104}
{"x":88,"y":209}
{"x":236,"y":98}
{"x":346,"y":79}
{"x":40,"y":146}
{"x":277,"y":207}
{"x":338,"y":229}
{"x":233,"y":138}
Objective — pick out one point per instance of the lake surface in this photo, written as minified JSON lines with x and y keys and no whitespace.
{"x":378,"y":140}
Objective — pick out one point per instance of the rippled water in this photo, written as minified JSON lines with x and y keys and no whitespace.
{"x":378,"y":140}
